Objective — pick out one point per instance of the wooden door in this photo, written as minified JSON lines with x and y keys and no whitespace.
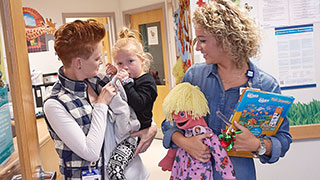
{"x":151,"y":23}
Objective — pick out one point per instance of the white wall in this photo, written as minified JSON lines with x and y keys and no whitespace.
{"x":54,"y":10}
{"x":269,"y":62}
{"x":300,"y":163}
{"x":134,"y":4}
{"x":46,"y":61}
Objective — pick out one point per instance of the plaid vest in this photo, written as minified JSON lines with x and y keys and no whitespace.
{"x":73,"y":96}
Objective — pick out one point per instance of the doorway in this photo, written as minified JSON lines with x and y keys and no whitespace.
{"x":151,"y":26}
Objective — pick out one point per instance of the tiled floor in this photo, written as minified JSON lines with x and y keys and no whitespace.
{"x":152,"y":157}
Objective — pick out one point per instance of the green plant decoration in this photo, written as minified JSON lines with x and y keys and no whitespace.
{"x":302,"y":114}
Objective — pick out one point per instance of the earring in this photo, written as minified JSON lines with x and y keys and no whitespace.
{"x":79,"y":63}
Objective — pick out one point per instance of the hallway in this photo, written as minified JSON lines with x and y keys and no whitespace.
{"x":152,"y":157}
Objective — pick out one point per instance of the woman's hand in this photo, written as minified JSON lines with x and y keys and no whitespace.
{"x":146,"y":137}
{"x":245,"y":141}
{"x":193,"y":145}
{"x":111,"y":70}
{"x":106,"y":94}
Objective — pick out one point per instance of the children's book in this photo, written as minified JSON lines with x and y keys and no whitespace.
{"x":261,"y":112}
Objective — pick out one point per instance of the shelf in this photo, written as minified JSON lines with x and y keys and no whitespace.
{"x":305,"y":131}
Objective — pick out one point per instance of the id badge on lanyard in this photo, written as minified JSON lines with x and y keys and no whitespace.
{"x":250,"y":75}
{"x":91,"y":174}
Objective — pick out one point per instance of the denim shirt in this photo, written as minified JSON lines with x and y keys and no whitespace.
{"x":207,"y":78}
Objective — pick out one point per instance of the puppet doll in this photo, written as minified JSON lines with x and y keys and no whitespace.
{"x":187,"y":106}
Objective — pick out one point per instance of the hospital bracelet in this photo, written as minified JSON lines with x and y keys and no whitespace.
{"x":127,"y":81}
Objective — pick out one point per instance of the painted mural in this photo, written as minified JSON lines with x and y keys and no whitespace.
{"x":183,"y":40}
{"x":304,"y":113}
{"x":38,"y":30}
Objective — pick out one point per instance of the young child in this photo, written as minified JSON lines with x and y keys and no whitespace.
{"x":119,"y":145}
{"x":140,"y":88}
{"x":187,"y":106}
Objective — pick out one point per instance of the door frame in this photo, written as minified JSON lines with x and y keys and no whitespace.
{"x":126,"y":19}
{"x":20,"y":87}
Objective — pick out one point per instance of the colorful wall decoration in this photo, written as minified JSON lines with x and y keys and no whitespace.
{"x":183,"y":40}
{"x":304,"y":113}
{"x":184,"y":36}
{"x":38,"y":31}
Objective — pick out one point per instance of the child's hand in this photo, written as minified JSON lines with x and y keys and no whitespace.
{"x":111,"y":70}
{"x":122,"y":75}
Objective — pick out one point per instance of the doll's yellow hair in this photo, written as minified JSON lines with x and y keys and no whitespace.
{"x":185,"y":97}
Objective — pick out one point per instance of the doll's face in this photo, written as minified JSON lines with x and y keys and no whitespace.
{"x":183,"y":120}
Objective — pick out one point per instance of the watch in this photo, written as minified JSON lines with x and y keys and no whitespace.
{"x":262,"y":148}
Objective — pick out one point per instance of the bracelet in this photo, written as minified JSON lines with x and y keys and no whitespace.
{"x":127,"y":81}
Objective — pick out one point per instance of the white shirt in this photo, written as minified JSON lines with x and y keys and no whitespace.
{"x":89,"y":147}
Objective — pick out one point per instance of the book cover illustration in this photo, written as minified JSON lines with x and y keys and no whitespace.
{"x":261,"y":112}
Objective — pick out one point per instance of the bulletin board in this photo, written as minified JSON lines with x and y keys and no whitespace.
{"x":290,"y":51}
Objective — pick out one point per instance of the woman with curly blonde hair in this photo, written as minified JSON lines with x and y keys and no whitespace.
{"x":227,"y":37}
{"x":232,"y":28}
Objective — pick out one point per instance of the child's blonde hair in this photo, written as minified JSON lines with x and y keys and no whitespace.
{"x":127,"y":36}
{"x":185,"y":97}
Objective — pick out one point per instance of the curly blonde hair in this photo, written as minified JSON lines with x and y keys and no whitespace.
{"x":232,"y":27}
{"x":77,"y":39}
{"x":128,"y":37}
